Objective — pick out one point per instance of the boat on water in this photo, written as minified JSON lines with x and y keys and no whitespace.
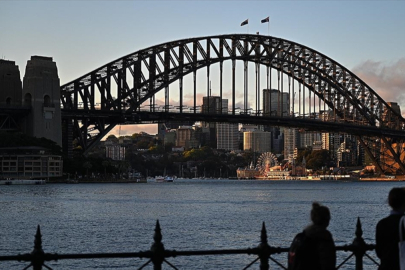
{"x":138,"y":178}
{"x":23,"y":182}
{"x":169,"y":179}
{"x":338,"y":178}
{"x":162,"y":179}
{"x":72,"y":181}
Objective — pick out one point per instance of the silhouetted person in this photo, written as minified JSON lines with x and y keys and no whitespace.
{"x":387,"y":231}
{"x":314,"y":248}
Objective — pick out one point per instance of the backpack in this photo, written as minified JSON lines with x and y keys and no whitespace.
{"x":303,"y":254}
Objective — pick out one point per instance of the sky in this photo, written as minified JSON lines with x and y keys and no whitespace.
{"x":367,"y":37}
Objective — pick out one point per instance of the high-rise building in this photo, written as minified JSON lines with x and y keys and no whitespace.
{"x":291,"y":142}
{"x":115,"y":152}
{"x":276,"y":103}
{"x":347,"y":152}
{"x":185,"y":137}
{"x":308,"y":138}
{"x":163,"y":128}
{"x":257,"y":141}
{"x":330,"y":141}
{"x":214,"y":105}
{"x":227,"y":136}
{"x":170,"y":137}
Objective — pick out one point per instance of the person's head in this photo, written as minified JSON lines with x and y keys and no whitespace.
{"x":320,"y":215}
{"x":396,"y":198}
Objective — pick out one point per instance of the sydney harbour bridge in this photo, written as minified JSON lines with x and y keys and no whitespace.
{"x":167,"y":82}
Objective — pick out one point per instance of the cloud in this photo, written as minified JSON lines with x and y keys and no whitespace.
{"x":387,"y":79}
{"x":128,"y":130}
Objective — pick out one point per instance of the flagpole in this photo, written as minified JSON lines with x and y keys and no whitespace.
{"x":268,"y":27}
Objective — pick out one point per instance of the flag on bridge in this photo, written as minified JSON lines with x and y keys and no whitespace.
{"x":244,"y":22}
{"x":266,"y":20}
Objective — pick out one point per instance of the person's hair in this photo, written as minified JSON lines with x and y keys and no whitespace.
{"x":320,"y":214}
{"x":396,"y":197}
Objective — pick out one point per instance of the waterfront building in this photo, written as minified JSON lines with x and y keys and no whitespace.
{"x":275,"y":173}
{"x":29,"y":163}
{"x":250,"y":172}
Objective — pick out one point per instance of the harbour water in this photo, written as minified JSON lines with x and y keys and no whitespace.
{"x":193,"y":214}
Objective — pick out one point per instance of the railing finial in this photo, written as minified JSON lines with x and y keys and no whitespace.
{"x":359,"y":230}
{"x":158,"y":233}
{"x":37,"y":255}
{"x":158,"y":249}
{"x":263,"y":234}
{"x":38,"y":239}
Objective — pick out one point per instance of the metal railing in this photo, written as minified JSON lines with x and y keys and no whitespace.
{"x":158,"y":255}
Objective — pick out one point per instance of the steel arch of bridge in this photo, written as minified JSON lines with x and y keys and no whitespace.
{"x":90,"y":111}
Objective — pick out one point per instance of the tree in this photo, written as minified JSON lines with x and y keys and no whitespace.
{"x":105,"y":163}
{"x":87,"y":165}
{"x":16,"y":139}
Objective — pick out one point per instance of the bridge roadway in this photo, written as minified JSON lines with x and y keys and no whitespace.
{"x":307,"y":124}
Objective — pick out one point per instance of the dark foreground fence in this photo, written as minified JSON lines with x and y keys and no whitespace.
{"x":158,"y":255}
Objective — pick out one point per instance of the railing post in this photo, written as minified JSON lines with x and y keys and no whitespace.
{"x":37,"y":255}
{"x":359,"y":246}
{"x":264,"y":249}
{"x":157,"y":248}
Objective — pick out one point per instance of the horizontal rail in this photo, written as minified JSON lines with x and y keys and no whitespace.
{"x":157,"y":254}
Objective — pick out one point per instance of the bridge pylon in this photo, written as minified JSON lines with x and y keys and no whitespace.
{"x":41,"y":92}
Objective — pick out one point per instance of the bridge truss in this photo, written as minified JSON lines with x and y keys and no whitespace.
{"x":155,"y":85}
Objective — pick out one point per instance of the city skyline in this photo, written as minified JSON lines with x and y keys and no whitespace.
{"x":363,"y":36}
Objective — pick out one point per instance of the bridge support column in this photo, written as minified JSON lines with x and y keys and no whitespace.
{"x":41,"y":90}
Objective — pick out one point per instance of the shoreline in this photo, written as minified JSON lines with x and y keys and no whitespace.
{"x":124,"y":181}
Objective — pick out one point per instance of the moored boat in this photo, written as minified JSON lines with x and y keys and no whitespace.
{"x":23,"y":182}
{"x":169,"y":179}
{"x":161,"y":179}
